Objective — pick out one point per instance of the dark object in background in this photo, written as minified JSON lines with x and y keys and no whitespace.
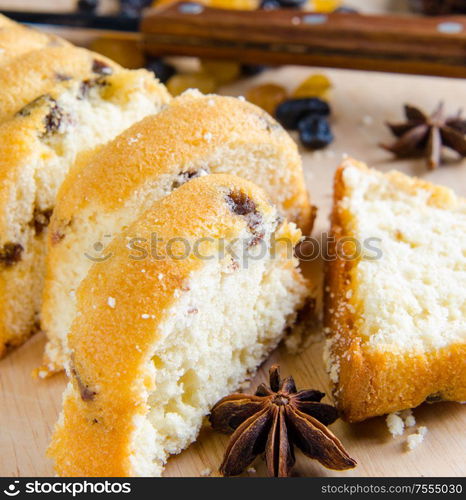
{"x":252,"y":69}
{"x":88,"y":5}
{"x":346,"y":10}
{"x":315,"y":132}
{"x":438,"y":7}
{"x":133,"y":8}
{"x":290,"y":112}
{"x":281,"y":4}
{"x":163,"y":70}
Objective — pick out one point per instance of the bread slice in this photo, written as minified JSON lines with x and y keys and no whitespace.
{"x":16,"y":40}
{"x":163,"y":331}
{"x":396,"y":315}
{"x":33,"y":74}
{"x":194,"y":136}
{"x":37,"y":148}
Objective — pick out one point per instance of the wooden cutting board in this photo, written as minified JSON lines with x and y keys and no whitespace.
{"x":361,"y":103}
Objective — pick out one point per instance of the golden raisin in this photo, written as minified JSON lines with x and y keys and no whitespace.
{"x":324,"y":5}
{"x":316,"y":85}
{"x":177,"y":84}
{"x":222,"y":71}
{"x":267,"y":96}
{"x":127,"y":53}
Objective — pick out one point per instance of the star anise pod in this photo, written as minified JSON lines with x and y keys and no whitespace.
{"x":274,"y":420}
{"x":423,"y":134}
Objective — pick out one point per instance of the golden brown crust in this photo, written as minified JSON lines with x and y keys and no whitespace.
{"x":371,"y":382}
{"x":95,"y":436}
{"x":22,"y":143}
{"x":44,"y":69}
{"x":191,"y":128}
{"x":16,"y":40}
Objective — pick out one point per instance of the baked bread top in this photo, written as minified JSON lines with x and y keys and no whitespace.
{"x":27,"y":77}
{"x":16,"y":40}
{"x":36,"y":132}
{"x":395,"y":313}
{"x":124,"y":305}
{"x":194,"y":132}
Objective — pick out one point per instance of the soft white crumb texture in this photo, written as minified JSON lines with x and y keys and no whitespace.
{"x":414,"y":296}
{"x":239,"y":317}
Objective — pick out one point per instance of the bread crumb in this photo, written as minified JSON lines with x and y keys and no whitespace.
{"x":408,"y":417}
{"x":206,"y":472}
{"x":414,"y":440}
{"x":251,"y":470}
{"x":395,"y":424}
{"x":111,"y":302}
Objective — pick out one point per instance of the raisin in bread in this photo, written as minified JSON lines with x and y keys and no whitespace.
{"x":194,"y":136}
{"x":163,"y":331}
{"x":396,"y":321}
{"x":33,"y":74}
{"x":17,"y":40}
{"x":37,"y":148}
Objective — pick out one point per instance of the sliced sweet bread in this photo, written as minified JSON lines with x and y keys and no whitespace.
{"x":17,"y":40}
{"x":195,"y":135}
{"x":33,"y":74}
{"x":37,"y":148}
{"x":395,"y":315}
{"x":163,"y":331}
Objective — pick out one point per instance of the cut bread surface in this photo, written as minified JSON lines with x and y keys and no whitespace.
{"x":35,"y":73}
{"x":38,"y":147}
{"x":397,"y":322}
{"x":194,"y":136}
{"x":157,"y":341}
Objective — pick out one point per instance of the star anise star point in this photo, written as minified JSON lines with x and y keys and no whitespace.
{"x":273,"y":421}
{"x":424,"y":134}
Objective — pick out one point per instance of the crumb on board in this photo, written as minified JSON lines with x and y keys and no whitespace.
{"x":206,"y":472}
{"x":414,"y":440}
{"x":395,"y":424}
{"x":251,"y":470}
{"x":398,"y":421}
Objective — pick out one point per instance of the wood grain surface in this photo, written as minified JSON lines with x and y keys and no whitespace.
{"x":361,"y":103}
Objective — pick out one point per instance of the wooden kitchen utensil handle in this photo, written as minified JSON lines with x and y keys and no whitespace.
{"x":402,"y":44}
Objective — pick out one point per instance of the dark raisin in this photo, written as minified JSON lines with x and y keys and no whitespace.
{"x":252,"y":69}
{"x":345,"y":10}
{"x":88,"y":5}
{"x":61,"y":77}
{"x":39,"y":101}
{"x":241,"y":204}
{"x":184,"y":177}
{"x":10,"y":253}
{"x":41,"y":219}
{"x":86,"y":393}
{"x":101,"y":67}
{"x":162,"y":70}
{"x":290,"y":112}
{"x":133,"y":8}
{"x":53,"y":119}
{"x":269,"y":5}
{"x":434,"y":398}
{"x":315,"y":132}
{"x":291,"y":4}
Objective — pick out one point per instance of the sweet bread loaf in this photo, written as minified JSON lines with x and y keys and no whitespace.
{"x":162,"y":332}
{"x":395,"y":314}
{"x":33,"y":74}
{"x":37,"y":148}
{"x":16,"y":40}
{"x":194,"y":136}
